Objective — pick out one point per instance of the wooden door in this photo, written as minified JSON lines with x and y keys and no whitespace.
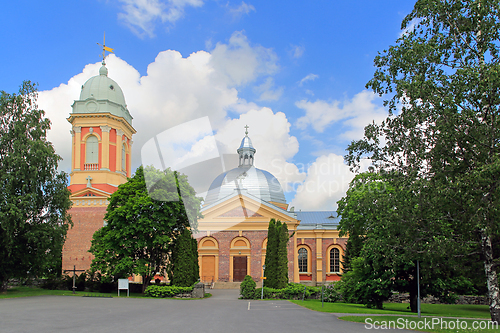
{"x":208,"y":268}
{"x":239,"y":268}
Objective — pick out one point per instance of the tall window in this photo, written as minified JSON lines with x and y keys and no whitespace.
{"x":124,"y":158}
{"x":334,"y":260}
{"x":92,"y":150}
{"x":302,"y":260}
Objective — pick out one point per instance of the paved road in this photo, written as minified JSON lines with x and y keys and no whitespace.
{"x":223,"y":312}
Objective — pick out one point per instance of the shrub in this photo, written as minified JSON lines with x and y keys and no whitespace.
{"x":247,"y":287}
{"x":292,"y":291}
{"x":166,"y":291}
{"x":330,"y":293}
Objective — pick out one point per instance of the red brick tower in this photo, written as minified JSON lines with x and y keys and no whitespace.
{"x":101,"y":150}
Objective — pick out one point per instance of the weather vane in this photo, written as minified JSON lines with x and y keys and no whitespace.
{"x":104,"y":49}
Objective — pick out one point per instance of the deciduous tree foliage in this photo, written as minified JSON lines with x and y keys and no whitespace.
{"x":442,"y":83}
{"x":140,"y":231}
{"x":392,"y":217}
{"x":35,"y":198}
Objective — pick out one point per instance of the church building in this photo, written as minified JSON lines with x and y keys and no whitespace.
{"x":232,"y":236}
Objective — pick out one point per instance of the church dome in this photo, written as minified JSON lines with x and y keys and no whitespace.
{"x":100,"y":94}
{"x":256,"y":182}
{"x":101,"y":87}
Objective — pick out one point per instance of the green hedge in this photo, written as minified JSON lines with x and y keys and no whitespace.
{"x":166,"y":291}
{"x":292,"y":291}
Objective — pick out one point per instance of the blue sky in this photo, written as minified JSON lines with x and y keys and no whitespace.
{"x":294,"y":71}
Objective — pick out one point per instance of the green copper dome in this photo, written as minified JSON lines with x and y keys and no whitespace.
{"x":101,"y":94}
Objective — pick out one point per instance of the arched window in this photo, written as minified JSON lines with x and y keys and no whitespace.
{"x":302,"y":260}
{"x":334,"y":260}
{"x":92,"y":150}
{"x":124,"y":158}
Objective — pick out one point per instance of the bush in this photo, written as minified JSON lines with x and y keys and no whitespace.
{"x":54,"y":284}
{"x":247,"y":287}
{"x":330,"y":293}
{"x":292,"y":291}
{"x":166,"y":291}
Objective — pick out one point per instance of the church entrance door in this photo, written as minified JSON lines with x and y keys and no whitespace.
{"x":208,"y":267}
{"x":239,"y":268}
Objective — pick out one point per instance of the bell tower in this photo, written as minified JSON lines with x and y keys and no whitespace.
{"x":101,"y":160}
{"x":101,"y":136}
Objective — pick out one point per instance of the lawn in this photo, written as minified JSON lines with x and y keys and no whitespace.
{"x":425,"y":324}
{"x":23,"y":291}
{"x":440,"y":310}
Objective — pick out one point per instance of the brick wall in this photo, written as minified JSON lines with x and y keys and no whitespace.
{"x":256,"y":238}
{"x":86,"y":220}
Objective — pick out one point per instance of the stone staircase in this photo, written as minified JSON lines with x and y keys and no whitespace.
{"x":228,"y":285}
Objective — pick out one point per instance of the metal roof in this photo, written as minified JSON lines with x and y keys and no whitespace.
{"x":318,"y":217}
{"x":257,"y":182}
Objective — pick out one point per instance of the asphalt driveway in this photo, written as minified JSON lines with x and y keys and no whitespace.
{"x":223,"y":312}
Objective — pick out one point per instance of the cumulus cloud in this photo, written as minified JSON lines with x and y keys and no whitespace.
{"x":327,"y":181}
{"x":354,"y":114}
{"x":142,"y":16}
{"x":237,"y":62}
{"x":174,"y":91}
{"x":265,"y":127}
{"x":308,"y":77}
{"x":242,"y":9}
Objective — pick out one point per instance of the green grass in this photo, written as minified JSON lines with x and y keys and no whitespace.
{"x":440,"y":310}
{"x":24,"y":291}
{"x":29,"y":291}
{"x":408,"y":322}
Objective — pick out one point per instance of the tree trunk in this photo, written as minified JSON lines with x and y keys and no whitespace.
{"x":413,"y":296}
{"x":146,"y":279}
{"x":491,"y":276}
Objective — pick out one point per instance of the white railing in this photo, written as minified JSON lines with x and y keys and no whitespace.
{"x":91,"y":166}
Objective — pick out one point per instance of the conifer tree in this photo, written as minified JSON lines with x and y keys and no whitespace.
{"x":184,"y":269}
{"x":271,"y":255}
{"x":277,"y":255}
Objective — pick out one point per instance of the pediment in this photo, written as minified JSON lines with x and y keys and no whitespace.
{"x":243,"y":213}
{"x":240,"y":212}
{"x":90,"y":192}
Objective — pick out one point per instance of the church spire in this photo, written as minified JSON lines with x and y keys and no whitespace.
{"x":246,"y":151}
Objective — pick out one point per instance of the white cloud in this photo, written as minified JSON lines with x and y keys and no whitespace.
{"x":243,"y":8}
{"x":410,"y":27}
{"x":265,"y":127}
{"x":141,"y":16}
{"x":297,"y":51}
{"x":308,"y":77}
{"x":267,"y":92}
{"x":175,"y":90}
{"x":354,"y":114}
{"x":238,"y":63}
{"x":327,"y":181}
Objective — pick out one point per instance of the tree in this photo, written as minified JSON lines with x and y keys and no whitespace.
{"x":35,"y":198}
{"x":140,"y":231}
{"x":277,"y":255}
{"x":183,"y":270}
{"x":392,"y":217}
{"x":442,"y":82}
